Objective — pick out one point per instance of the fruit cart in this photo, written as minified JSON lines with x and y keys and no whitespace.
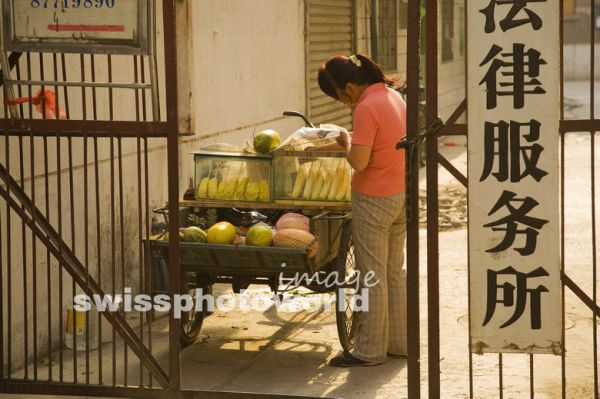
{"x":245,"y":188}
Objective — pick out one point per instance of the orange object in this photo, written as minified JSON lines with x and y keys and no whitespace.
{"x":45,"y":104}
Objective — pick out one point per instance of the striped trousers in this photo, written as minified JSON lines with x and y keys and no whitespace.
{"x":378,"y":233}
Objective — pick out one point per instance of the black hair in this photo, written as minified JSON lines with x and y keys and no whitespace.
{"x":338,"y":71}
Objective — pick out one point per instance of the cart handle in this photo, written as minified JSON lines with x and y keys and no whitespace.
{"x":299,"y":115}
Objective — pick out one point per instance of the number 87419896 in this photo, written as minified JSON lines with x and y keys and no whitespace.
{"x":64,"y":4}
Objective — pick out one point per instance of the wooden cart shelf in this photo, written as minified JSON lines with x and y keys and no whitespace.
{"x":280,"y":204}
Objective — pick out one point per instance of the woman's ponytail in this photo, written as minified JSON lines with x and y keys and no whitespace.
{"x":372,"y":71}
{"x":338,"y":71}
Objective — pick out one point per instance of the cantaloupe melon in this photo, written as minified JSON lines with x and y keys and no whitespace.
{"x":293,"y":221}
{"x":296,"y":238}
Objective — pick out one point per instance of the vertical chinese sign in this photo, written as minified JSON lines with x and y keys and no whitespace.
{"x":513,"y":103}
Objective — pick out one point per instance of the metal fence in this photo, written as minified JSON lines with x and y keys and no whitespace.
{"x":78,"y":182}
{"x":574,"y":374}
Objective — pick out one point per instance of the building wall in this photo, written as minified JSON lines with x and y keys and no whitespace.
{"x":248,"y":69}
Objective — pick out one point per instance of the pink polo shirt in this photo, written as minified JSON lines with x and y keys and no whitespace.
{"x":380,"y":122}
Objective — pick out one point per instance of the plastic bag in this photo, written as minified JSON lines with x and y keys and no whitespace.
{"x":308,"y":136}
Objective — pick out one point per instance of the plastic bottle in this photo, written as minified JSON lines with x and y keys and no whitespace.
{"x":75,"y":328}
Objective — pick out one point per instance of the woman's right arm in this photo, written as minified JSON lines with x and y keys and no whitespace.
{"x":331,"y":147}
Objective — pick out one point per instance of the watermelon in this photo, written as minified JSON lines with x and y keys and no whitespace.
{"x":260,"y":235}
{"x":194,"y":234}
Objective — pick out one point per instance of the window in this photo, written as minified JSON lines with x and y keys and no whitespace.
{"x":384,"y":36}
{"x":461,"y":31}
{"x":447,"y":30}
{"x":403,"y":14}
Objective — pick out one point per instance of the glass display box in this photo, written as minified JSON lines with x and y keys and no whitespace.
{"x":226,"y":177}
{"x":311,"y":176}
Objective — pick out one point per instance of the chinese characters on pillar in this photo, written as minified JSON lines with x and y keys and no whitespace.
{"x":513,"y":115}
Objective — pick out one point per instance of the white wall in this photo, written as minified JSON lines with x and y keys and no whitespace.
{"x":248,"y":69}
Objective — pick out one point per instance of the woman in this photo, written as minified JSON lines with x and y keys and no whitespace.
{"x":378,"y":213}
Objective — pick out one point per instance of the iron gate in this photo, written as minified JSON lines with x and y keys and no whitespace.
{"x":568,"y":385}
{"x":75,"y":183}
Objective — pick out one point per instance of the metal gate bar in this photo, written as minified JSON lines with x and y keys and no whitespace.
{"x":51,"y":230}
{"x":170,"y":49}
{"x":46,"y":233}
{"x":412,"y":203}
{"x":37,"y":388}
{"x":593,"y":23}
{"x":591,"y":125}
{"x":433,"y":277}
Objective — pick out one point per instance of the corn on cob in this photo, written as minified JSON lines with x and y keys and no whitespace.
{"x":349,"y":193}
{"x":327,"y":180}
{"x":338,"y":179}
{"x":299,"y":183}
{"x":263,"y":191}
{"x":252,"y":191}
{"x":318,"y":185}
{"x":345,"y":182}
{"x":221,"y":190}
{"x":240,"y":190}
{"x":213,"y":185}
{"x":310,"y":182}
{"x":230,"y":187}
{"x":202,"y":191}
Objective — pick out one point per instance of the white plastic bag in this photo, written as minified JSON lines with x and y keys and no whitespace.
{"x":307,"y":136}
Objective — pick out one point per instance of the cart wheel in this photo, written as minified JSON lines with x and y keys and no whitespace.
{"x":347,"y":318}
{"x":191,"y":321}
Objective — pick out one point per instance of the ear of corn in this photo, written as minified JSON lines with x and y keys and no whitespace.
{"x":299,"y":183}
{"x":202,"y":191}
{"x":310,"y":182}
{"x":344,"y":183}
{"x":263,"y":191}
{"x":252,"y":191}
{"x":221,"y":190}
{"x":320,"y":181}
{"x":327,"y":180}
{"x":230,"y":187}
{"x":349,"y":192}
{"x":213,"y":186}
{"x":337,"y":175}
{"x":240,"y":190}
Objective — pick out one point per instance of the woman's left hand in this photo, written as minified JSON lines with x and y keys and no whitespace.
{"x":343,"y":139}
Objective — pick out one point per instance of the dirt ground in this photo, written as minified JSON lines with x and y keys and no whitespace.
{"x":287,"y":353}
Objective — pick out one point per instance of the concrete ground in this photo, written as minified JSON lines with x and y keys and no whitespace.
{"x":287,"y":353}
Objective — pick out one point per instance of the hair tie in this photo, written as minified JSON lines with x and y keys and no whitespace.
{"x":355,"y":60}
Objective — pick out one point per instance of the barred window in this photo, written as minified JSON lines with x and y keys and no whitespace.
{"x":447,"y":30}
{"x":403,"y":14}
{"x":384,"y":36}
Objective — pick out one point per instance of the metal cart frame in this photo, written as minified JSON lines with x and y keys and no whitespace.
{"x":203,"y":265}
